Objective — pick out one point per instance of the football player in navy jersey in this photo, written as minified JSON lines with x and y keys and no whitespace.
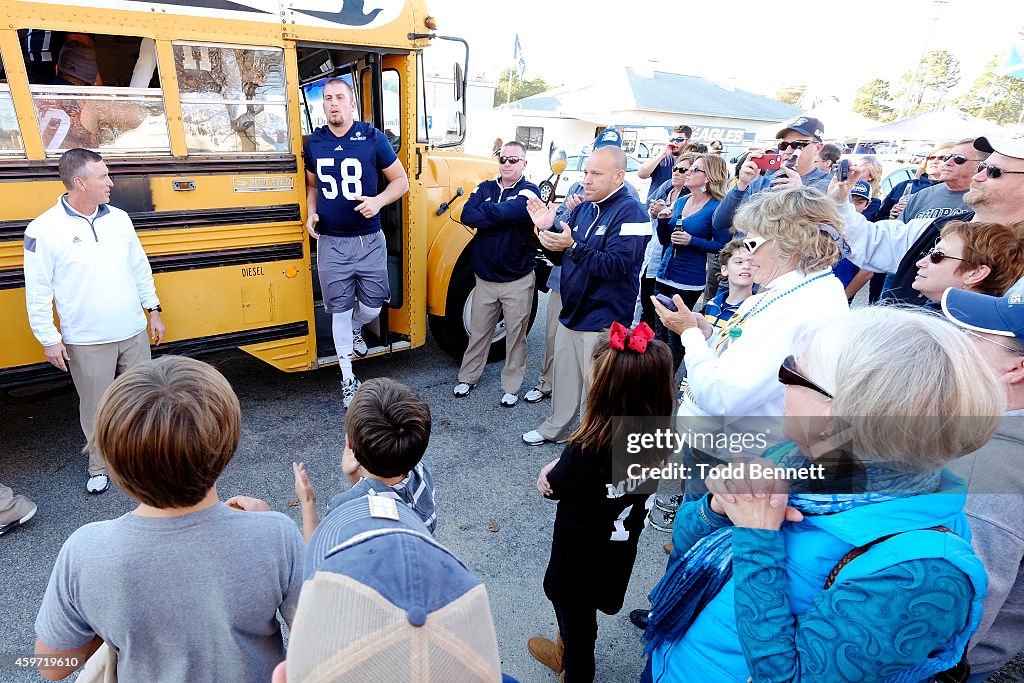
{"x":343,"y":160}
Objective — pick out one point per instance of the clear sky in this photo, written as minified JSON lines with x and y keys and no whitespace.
{"x":755,"y":42}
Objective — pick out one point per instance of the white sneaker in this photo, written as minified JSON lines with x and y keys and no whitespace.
{"x":98,"y":483}
{"x":509,"y":400}
{"x":349,"y":387}
{"x":358,"y":344}
{"x":535,"y":395}
{"x":462,"y":389}
{"x":534,"y":438}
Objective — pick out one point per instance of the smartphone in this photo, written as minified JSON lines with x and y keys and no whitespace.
{"x":843,"y":170}
{"x":666,"y":302}
{"x":767,"y":162}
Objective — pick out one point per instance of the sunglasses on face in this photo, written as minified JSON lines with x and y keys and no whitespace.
{"x":958,"y":159}
{"x":936,"y":255}
{"x":509,"y":160}
{"x":678,"y":140}
{"x":983,"y":338}
{"x":680,"y":169}
{"x":933,"y":158}
{"x":754,"y":243}
{"x":796,"y":144}
{"x":994,"y":172}
{"x":790,"y":376}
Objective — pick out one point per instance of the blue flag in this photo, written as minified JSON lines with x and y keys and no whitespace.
{"x":1014,"y":63}
{"x":519,"y":59}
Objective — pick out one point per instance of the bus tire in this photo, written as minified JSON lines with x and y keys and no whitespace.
{"x":451,"y":330}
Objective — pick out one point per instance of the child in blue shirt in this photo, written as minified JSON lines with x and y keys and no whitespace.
{"x":736,"y":272}
{"x":387,"y":429}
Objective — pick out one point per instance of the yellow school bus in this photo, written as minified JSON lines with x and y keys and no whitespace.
{"x":199,"y":110}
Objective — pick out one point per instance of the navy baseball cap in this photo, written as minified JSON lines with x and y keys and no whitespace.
{"x":384,"y":601}
{"x":1003,"y":315}
{"x":804,"y":125}
{"x":609,"y":137}
{"x":861,"y":189}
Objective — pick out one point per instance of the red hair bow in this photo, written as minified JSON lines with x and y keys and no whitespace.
{"x":638,"y":337}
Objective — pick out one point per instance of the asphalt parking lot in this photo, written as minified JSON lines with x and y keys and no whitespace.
{"x":490,"y":513}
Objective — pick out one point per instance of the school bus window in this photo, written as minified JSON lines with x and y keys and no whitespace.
{"x":104,"y":93}
{"x":233,"y":99}
{"x":392,"y":107}
{"x":10,"y":134}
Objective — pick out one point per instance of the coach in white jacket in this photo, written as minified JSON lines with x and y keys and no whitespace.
{"x":85,"y":254}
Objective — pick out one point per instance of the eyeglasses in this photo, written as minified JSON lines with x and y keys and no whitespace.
{"x":1019,"y":352}
{"x":680,"y":169}
{"x":509,"y":160}
{"x":678,"y":140}
{"x":958,"y":159}
{"x":994,"y":172}
{"x":754,"y":243}
{"x":796,"y":144}
{"x":938,"y":256}
{"x":933,"y":158}
{"x":790,"y":376}
{"x":694,"y":169}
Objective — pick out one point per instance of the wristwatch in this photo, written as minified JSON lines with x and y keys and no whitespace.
{"x":158,"y":308}
{"x":570,"y":250}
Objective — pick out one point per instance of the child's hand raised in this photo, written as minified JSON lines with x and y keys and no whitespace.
{"x":303,"y":489}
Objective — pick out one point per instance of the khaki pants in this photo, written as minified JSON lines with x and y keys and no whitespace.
{"x":490,"y":301}
{"x":554,"y":310}
{"x":93,"y":369}
{"x":572,"y":381}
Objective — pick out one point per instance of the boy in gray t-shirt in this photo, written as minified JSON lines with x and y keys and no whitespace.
{"x":387,"y":429}
{"x":183,"y":588}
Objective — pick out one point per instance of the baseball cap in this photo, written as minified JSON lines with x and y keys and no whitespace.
{"x":1011,"y":147}
{"x":384,"y":601}
{"x":862,"y":189}
{"x":804,"y":125}
{"x":78,"y":60}
{"x":984,"y":313}
{"x":609,"y":137}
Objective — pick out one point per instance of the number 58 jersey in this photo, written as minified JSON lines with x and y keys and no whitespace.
{"x":346,"y":167}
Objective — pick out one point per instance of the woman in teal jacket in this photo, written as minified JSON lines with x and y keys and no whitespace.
{"x":748,"y":591}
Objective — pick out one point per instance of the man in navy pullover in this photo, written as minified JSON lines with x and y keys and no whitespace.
{"x":600,"y":250}
{"x":503,"y":261}
{"x":803,"y":134}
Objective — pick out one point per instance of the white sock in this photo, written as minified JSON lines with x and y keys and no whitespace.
{"x":364,"y":314}
{"x":341,"y":327}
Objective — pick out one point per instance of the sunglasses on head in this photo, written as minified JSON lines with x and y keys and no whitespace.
{"x":958,"y":159}
{"x":796,"y":144}
{"x":754,"y":243}
{"x":994,"y":172}
{"x":936,"y":255}
{"x":509,"y":160}
{"x":790,"y":376}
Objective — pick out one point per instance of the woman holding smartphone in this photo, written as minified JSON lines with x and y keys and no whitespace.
{"x":687,"y":235}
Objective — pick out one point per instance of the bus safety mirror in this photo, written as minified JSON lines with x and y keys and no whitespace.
{"x":459,"y":78}
{"x":557,"y":160}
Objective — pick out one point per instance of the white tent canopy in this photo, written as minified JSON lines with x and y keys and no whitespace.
{"x":840,"y":122}
{"x":944,"y":122}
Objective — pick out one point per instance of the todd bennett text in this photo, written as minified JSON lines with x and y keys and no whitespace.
{"x":740,"y":470}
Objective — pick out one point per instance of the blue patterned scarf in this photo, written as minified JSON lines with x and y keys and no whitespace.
{"x":697,"y":577}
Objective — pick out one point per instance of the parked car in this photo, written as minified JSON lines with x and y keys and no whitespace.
{"x":574,"y":173}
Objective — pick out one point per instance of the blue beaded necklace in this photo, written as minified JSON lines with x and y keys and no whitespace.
{"x":734,"y":328}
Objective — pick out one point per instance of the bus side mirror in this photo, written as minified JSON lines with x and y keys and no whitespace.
{"x":459,"y":77}
{"x":460,"y":124}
